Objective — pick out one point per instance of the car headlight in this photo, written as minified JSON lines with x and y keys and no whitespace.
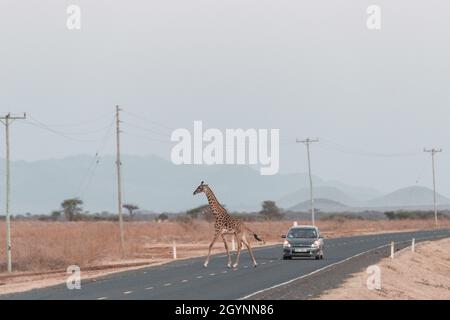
{"x":286,"y":244}
{"x":315,"y":244}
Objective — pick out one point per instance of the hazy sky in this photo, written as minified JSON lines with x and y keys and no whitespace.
{"x":309,"y":68}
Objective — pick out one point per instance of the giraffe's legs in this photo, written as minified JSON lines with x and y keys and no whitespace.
{"x":228,"y":251}
{"x":210,"y":247}
{"x":249,"y":247}
{"x":239,"y":248}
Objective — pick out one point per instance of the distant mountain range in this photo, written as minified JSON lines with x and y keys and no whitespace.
{"x":415,"y":197}
{"x":158,"y":185}
{"x":321,"y":191}
{"x":324,"y":205}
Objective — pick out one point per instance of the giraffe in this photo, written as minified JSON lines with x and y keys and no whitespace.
{"x":226,"y":224}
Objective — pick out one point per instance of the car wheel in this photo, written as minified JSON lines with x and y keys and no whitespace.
{"x":286,"y":258}
{"x":317,"y":257}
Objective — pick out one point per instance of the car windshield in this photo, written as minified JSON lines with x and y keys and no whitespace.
{"x":302,"y":233}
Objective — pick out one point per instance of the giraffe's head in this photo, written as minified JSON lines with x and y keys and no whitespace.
{"x":200,"y":188}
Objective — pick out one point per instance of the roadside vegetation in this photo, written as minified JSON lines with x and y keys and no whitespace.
{"x":421,"y":215}
{"x":72,"y":235}
{"x":53,"y":245}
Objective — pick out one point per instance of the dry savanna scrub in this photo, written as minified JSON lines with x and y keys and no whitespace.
{"x":43,"y":246}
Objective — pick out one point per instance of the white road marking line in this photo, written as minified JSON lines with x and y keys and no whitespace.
{"x":199,"y":277}
{"x":149,"y":288}
{"x":225,"y":271}
{"x":128,"y":292}
{"x":167,"y":284}
{"x":263,"y":263}
{"x":311,"y":273}
{"x":271,"y":261}
{"x":102,"y":298}
{"x":184,"y":281}
{"x":245,"y":267}
{"x":212,"y":274}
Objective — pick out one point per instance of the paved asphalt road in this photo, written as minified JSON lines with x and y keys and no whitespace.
{"x":188,"y":279}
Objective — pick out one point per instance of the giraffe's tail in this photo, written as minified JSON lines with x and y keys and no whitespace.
{"x":258,"y":238}
{"x":255,"y":235}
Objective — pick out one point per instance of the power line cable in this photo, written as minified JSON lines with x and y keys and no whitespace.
{"x":143,"y":118}
{"x":145,"y":129}
{"x":147,"y":138}
{"x":56,"y":132}
{"x":77,"y":124}
{"x":419,"y":177}
{"x":84,"y":132}
{"x":87,"y":180}
{"x":361,"y":152}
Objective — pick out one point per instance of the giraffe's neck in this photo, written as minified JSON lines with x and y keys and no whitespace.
{"x":216,"y":207}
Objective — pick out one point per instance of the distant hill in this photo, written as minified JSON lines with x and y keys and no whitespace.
{"x":149,"y":181}
{"x":157,"y":185}
{"x":359,"y":193}
{"x":320,"y":192}
{"x":408,"y":197}
{"x":325,"y":205}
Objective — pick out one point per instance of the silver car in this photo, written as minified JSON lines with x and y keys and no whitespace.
{"x":303,"y":241}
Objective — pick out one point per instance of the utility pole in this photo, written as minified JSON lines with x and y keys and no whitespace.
{"x":433,"y":152}
{"x":307,"y":142}
{"x":7,"y":120}
{"x":119,"y":181}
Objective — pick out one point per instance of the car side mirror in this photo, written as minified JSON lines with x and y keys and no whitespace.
{"x":283,"y":236}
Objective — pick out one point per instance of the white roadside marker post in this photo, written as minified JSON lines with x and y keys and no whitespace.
{"x":413,"y":245}
{"x":174,"y":250}
{"x":392,"y":250}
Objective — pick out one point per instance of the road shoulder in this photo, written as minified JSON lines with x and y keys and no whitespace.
{"x":420,"y":275}
{"x":424,"y":274}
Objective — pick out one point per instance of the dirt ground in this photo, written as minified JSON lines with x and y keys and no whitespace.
{"x":43,"y":250}
{"x":420,"y":275}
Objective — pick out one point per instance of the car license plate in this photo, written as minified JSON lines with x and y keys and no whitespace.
{"x":300,"y":250}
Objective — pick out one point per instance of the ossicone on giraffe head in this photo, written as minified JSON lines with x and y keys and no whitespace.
{"x":200,"y":188}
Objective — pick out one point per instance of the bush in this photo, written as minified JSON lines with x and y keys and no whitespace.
{"x":270,"y":211}
{"x":163,"y":217}
{"x":415,"y":215}
{"x":341,"y":217}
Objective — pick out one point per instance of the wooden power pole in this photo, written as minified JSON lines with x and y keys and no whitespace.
{"x":433,"y":153}
{"x":119,"y":181}
{"x":307,"y":142}
{"x":7,"y":120}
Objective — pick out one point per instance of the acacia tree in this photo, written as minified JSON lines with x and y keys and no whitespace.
{"x":163,"y":217}
{"x":270,"y":210}
{"x":131,"y":208}
{"x":55,"y":215}
{"x":71,"y":208}
{"x":201,"y":211}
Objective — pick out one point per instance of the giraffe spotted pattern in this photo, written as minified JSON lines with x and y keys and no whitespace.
{"x":225,"y":224}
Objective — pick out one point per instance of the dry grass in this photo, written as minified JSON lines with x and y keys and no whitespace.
{"x":43,"y":246}
{"x":423,"y":275}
